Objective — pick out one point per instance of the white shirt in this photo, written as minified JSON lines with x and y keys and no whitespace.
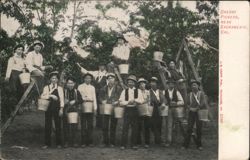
{"x":110,"y":90}
{"x":15,"y":62}
{"x":122,"y":100}
{"x":87,"y":91}
{"x":179,"y":97}
{"x":32,"y":59}
{"x":143,"y":96}
{"x":48,"y":89}
{"x":121,"y":52}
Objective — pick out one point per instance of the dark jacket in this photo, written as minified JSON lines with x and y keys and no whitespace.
{"x":192,"y":102}
{"x":115,"y":95}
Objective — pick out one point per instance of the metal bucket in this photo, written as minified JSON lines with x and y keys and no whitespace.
{"x":143,"y":109}
{"x":106,"y":109}
{"x":24,"y":78}
{"x":123,"y":68}
{"x":119,"y":111}
{"x":203,"y":115}
{"x":72,"y":117}
{"x":164,"y":112}
{"x":158,"y":56}
{"x":87,"y":107}
{"x":179,"y":112}
{"x":150,"y":111}
{"x":43,"y":104}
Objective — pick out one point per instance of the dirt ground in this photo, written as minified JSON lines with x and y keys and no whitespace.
{"x":27,"y":131}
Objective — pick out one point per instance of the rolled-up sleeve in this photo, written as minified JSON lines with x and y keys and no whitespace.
{"x":61,"y":96}
{"x":94,"y":98}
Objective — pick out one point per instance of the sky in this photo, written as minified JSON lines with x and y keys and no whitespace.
{"x":11,"y":25}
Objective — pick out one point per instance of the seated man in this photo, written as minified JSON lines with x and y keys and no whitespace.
{"x":34,"y":62}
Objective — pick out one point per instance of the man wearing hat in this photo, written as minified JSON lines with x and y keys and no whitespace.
{"x":73,"y":99}
{"x":196,"y":101}
{"x":128,"y":100}
{"x":157,"y":100}
{"x":99,"y":81}
{"x":87,"y":117}
{"x":54,"y":93}
{"x":173,"y":100}
{"x":144,"y":119}
{"x":34,"y":61}
{"x":110,"y":94}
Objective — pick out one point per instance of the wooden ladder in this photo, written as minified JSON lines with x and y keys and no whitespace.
{"x":13,"y":114}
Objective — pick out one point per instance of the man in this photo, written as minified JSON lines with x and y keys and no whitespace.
{"x":72,"y":100}
{"x":54,"y":93}
{"x":99,"y":81}
{"x":174,"y":100}
{"x":144,"y":119}
{"x":88,"y":94}
{"x":128,"y":100}
{"x":179,"y":78}
{"x":110,"y":94}
{"x":196,"y":101}
{"x":34,"y":61}
{"x":121,"y":51}
{"x":157,"y":100}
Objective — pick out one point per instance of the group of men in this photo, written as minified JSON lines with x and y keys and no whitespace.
{"x":101,"y":87}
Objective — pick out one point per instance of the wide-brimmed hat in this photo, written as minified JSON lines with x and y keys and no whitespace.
{"x":38,"y":42}
{"x":18,"y":46}
{"x":171,"y":81}
{"x":142,"y":80}
{"x":54,"y":73}
{"x":195,"y":81}
{"x":110,"y":75}
{"x":153,"y":79}
{"x":88,"y":74}
{"x":132,"y":77}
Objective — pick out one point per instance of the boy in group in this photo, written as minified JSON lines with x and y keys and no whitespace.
{"x":34,"y":61}
{"x":72,"y":101}
{"x":144,"y":119}
{"x":54,"y":94}
{"x":174,"y":100}
{"x":110,"y":94}
{"x":89,"y":109}
{"x":196,"y":101}
{"x":157,"y":100}
{"x":128,"y":100}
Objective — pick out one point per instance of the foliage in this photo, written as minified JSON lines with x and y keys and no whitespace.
{"x":167,"y":25}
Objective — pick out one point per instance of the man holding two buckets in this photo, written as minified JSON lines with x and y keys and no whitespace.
{"x":109,"y":96}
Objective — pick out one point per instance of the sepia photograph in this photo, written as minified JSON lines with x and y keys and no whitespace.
{"x":109,"y":80}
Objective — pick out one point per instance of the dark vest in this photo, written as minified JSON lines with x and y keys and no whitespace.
{"x":127,"y":96}
{"x":175,"y":98}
